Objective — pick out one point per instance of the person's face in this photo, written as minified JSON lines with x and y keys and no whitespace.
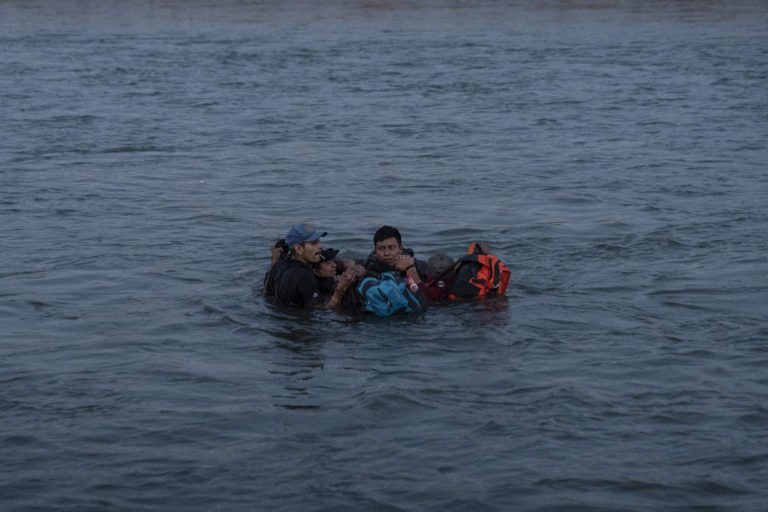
{"x":388,"y":250}
{"x":326,"y":269}
{"x":308,"y":252}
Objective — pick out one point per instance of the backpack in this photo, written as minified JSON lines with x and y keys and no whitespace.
{"x":387,"y":294}
{"x":478,"y":274}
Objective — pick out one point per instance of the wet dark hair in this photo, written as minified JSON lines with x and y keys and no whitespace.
{"x":385,"y":232}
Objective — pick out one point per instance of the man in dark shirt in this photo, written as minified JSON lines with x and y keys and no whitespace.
{"x":295,"y":285}
{"x":292,"y":280}
{"x":389,"y":255}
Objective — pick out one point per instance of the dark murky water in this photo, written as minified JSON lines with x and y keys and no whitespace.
{"x":614,"y":153}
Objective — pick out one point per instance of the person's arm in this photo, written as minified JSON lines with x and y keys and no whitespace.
{"x":412,"y":273}
{"x":268,"y":286}
{"x":346,"y":280}
{"x":407,"y":264}
{"x":278,"y":251}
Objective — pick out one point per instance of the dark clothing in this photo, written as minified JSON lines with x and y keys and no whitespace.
{"x":373,"y":265}
{"x":350,"y":302}
{"x":295,"y":284}
{"x":269,"y":278}
{"x":295,"y":290}
{"x":433,"y":290}
{"x":325,"y":285}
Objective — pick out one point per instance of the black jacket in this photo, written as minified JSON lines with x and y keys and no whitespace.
{"x":293,"y":284}
{"x":371,"y":264}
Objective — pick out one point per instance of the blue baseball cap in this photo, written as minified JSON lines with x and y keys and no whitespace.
{"x":301,"y":233}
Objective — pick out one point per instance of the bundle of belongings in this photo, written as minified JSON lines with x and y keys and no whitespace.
{"x":478,"y":274}
{"x":388,"y":293}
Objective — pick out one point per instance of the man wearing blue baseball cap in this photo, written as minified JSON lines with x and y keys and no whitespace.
{"x":292,"y":279}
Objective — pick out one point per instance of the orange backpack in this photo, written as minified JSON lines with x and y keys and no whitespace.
{"x":479,"y":274}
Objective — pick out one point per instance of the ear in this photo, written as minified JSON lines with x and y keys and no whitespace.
{"x":298,"y":249}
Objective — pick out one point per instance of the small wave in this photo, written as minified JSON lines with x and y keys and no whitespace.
{"x":139,"y":149}
{"x":384,"y":402}
{"x":73,"y":119}
{"x":39,"y":305}
{"x":718,"y":488}
{"x":20,"y":440}
{"x":591,"y":484}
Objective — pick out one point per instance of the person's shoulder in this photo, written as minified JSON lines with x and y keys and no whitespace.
{"x":274,"y":273}
{"x":293,"y":272}
{"x":297,"y":267}
{"x":279,"y":266}
{"x":371,"y":263}
{"x":297,"y":285}
{"x":370,"y":259}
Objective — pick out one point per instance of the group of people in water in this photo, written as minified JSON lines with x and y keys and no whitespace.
{"x":305,"y":275}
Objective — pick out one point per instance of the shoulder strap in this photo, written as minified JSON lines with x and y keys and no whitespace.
{"x":477,"y":247}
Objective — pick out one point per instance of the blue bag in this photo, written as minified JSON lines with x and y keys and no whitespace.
{"x":388,"y":294}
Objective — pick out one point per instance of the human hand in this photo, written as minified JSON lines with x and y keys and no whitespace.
{"x":343,"y":264}
{"x":277,"y":253}
{"x":346,"y":279}
{"x":403,"y":262}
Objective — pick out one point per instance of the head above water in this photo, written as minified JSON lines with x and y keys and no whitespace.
{"x":328,"y":254}
{"x":387,"y":244}
{"x":438,"y":264}
{"x":326,"y":267}
{"x":304,"y":243}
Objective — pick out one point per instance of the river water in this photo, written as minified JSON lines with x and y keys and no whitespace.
{"x":613,"y":153}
